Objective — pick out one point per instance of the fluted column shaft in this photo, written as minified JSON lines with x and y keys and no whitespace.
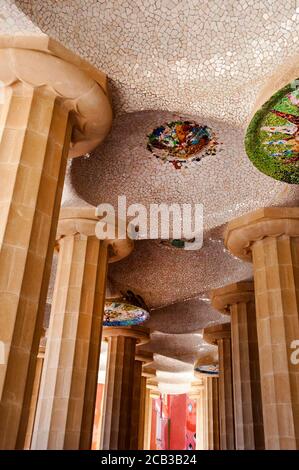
{"x":69,"y":379}
{"x":95,"y":338}
{"x":119,"y":388}
{"x":197,"y":393}
{"x":120,"y":385}
{"x":155,"y":394}
{"x":200,"y":421}
{"x":246,"y":378}
{"x":238,"y":301}
{"x":141,"y":431}
{"x":147,"y":420}
{"x":226,"y":411}
{"x":276,"y":272}
{"x":220,"y":336}
{"x":138,"y":403}
{"x":41,"y":95}
{"x":135,"y":406}
{"x":270,"y":237}
{"x":35,"y":136}
{"x":35,"y":393}
{"x":212,"y":413}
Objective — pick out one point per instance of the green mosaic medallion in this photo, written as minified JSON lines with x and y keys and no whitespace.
{"x":272,"y":138}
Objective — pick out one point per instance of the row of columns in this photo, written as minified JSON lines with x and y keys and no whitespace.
{"x":258,"y":377}
{"x":54,"y":105}
{"x":68,"y":385}
{"x":63,"y":416}
{"x":211,"y":407}
{"x":151,"y":393}
{"x":240,"y":412}
{"x":270,"y":239}
{"x":124,"y":399}
{"x":126,"y":410}
{"x":81,"y":274}
{"x":205,"y":392}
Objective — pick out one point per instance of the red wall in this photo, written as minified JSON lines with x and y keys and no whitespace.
{"x":177,"y":405}
{"x":173,"y":423}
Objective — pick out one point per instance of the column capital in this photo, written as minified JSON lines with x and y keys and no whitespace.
{"x":196,"y":388}
{"x":140,"y":333}
{"x":242,"y":232}
{"x":212,"y":334}
{"x":74,"y":220}
{"x":148,"y":372}
{"x":42,"y":63}
{"x":208,"y":359}
{"x":152,"y":385}
{"x":238,"y":292}
{"x":154,"y":394}
{"x":146,"y":357}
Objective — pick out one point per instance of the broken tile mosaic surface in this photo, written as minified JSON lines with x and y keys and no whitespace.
{"x":171,"y":60}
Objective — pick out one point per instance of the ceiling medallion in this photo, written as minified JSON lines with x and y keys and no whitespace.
{"x":123,"y":314}
{"x":208,"y":369}
{"x":182,"y":143}
{"x":272,"y":138}
{"x":181,"y":243}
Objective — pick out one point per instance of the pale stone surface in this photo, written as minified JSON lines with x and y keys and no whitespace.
{"x":136,"y":405}
{"x":238,"y":300}
{"x":33,"y":151}
{"x":221,"y":336}
{"x":147,"y":420}
{"x":120,"y":384}
{"x":142,"y":414}
{"x":138,"y":401}
{"x":197,"y":393}
{"x":82,"y":89}
{"x":71,"y":363}
{"x":211,"y":394}
{"x":35,"y":391}
{"x":216,"y":83}
{"x":209,"y":60}
{"x":271,"y":238}
{"x":36,"y":133}
{"x":68,"y":390}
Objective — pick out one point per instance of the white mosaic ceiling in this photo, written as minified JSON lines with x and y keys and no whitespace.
{"x":197,"y":314}
{"x":209,"y":57}
{"x":206,"y":59}
{"x":227,"y":184}
{"x":165,"y":276}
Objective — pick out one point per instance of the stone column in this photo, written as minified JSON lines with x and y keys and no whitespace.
{"x":237,"y":300}
{"x":197,"y":394}
{"x":65,"y":412}
{"x":138,"y":400}
{"x":35,"y":391}
{"x":97,"y":434}
{"x":155,"y":394}
{"x":119,"y":385}
{"x":142,"y":414}
{"x":147,"y":420}
{"x":148,"y":374}
{"x":270,"y":238}
{"x":220,"y":335}
{"x":52,"y":104}
{"x":211,"y":386}
{"x":210,"y":394}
